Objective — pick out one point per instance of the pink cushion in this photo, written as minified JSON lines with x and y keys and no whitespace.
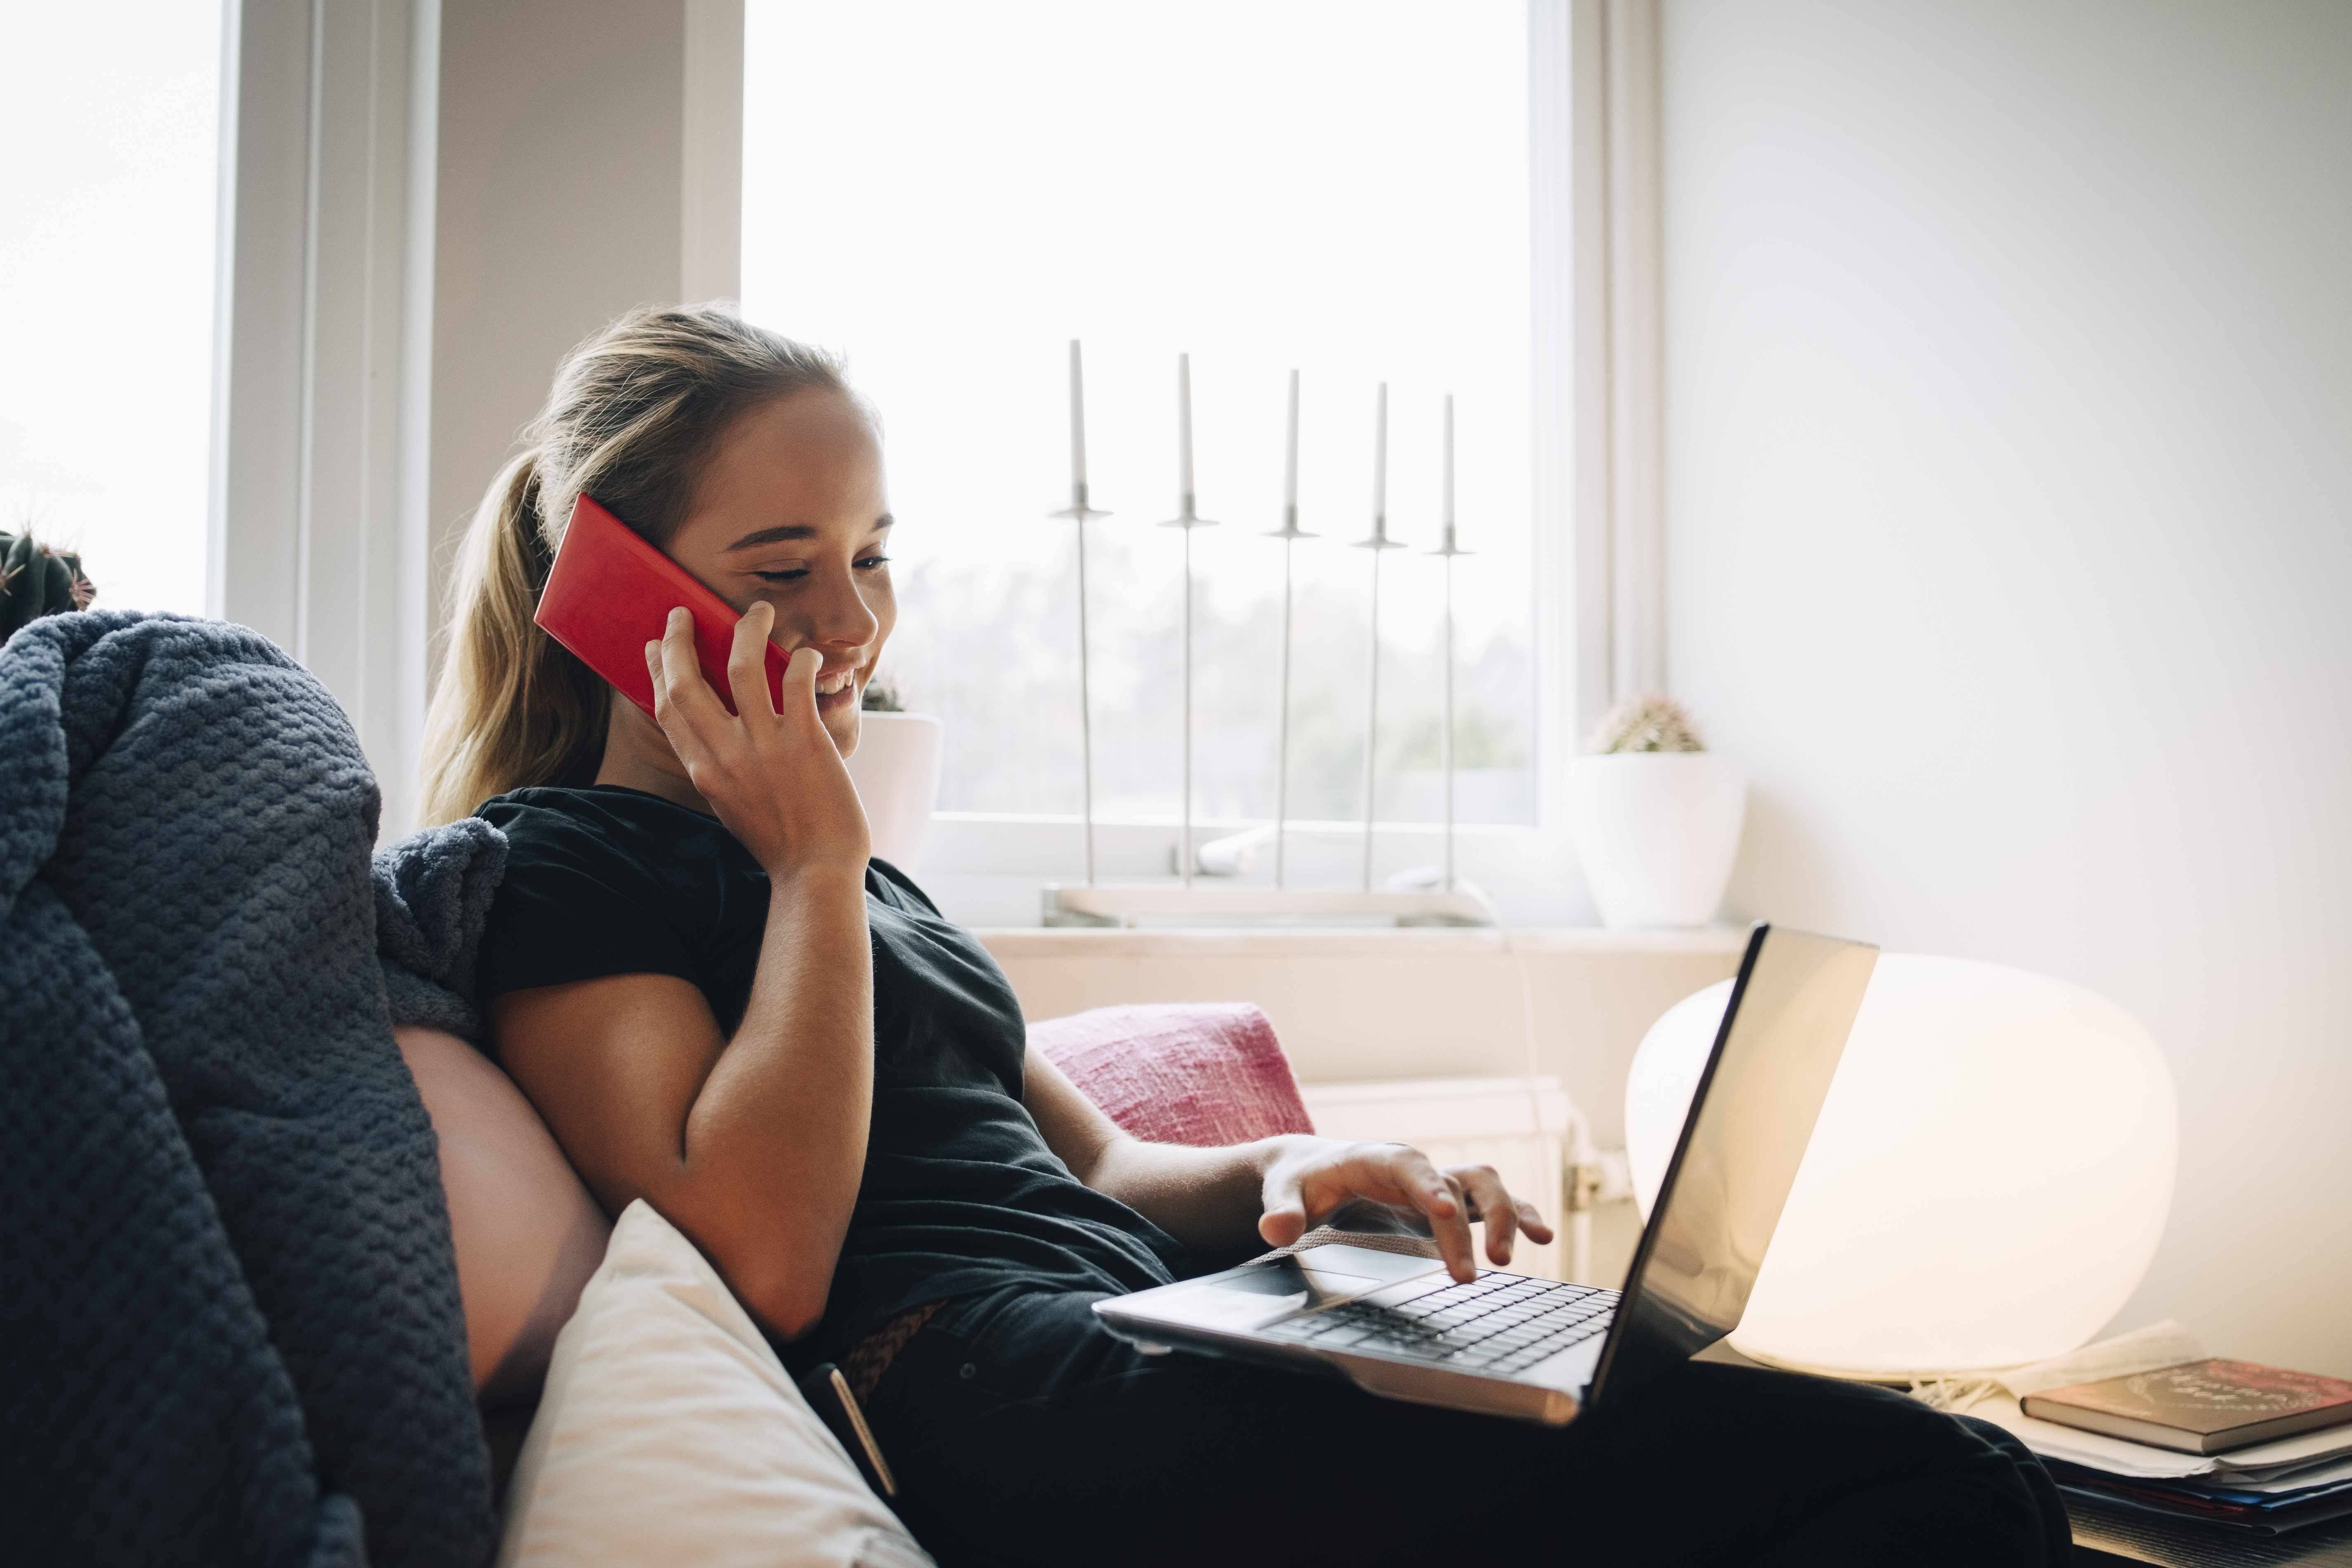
{"x":527,"y":1231}
{"x":1203,"y":1073}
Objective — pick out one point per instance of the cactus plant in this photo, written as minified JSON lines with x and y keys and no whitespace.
{"x":882,"y":696}
{"x":36,"y":581}
{"x":1652,"y":723}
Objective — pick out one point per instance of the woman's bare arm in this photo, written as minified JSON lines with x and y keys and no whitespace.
{"x":1214,"y":1200}
{"x":753,"y":1145}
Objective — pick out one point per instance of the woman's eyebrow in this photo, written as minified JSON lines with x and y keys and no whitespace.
{"x":773,"y":536}
{"x":795,"y":531}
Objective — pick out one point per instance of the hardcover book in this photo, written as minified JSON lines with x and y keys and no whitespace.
{"x":2200,"y":1406}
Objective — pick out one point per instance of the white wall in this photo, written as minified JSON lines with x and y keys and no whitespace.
{"x":426,"y":203}
{"x":2010,"y":515}
{"x":325,"y":182}
{"x":558,"y":209}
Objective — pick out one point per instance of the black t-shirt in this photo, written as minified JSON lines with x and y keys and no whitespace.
{"x":960,"y":1192}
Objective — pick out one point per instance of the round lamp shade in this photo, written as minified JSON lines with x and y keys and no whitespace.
{"x":1985,"y":1187}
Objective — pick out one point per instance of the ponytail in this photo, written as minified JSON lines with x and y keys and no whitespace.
{"x":634,"y":413}
{"x":514,"y":707}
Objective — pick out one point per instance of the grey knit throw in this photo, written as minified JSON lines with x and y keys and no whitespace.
{"x":229,"y":1322}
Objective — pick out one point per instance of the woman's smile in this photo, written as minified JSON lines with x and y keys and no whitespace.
{"x":837,"y":688}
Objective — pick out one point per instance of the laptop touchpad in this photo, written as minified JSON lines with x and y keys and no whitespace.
{"x":1253,"y":1296}
{"x":1289,"y":1276}
{"x":1324,"y":1275}
{"x":1260,"y":1293}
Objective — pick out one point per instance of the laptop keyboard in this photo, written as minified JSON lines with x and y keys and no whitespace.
{"x":1496,"y":1325}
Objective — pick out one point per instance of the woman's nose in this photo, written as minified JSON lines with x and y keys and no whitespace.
{"x":836,"y":615}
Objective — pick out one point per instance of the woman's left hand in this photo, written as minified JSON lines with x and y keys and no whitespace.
{"x":1307,"y":1178}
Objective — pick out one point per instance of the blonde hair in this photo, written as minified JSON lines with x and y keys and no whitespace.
{"x":634,"y":413}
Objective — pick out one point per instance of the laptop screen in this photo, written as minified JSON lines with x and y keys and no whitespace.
{"x":1751,"y":1118}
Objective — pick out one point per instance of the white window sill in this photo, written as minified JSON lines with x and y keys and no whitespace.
{"x":987,"y":870}
{"x":1082,"y":943}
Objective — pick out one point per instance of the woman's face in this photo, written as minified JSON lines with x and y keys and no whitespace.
{"x":790,"y":510}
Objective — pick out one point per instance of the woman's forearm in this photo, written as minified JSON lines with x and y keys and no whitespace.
{"x":774,"y":1145}
{"x":1273,"y":1191}
{"x":1209,"y":1199}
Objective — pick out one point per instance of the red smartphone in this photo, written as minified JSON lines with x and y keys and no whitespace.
{"x":610,"y":593}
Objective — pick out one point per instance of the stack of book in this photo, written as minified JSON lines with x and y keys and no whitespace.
{"x":2232,"y":1442}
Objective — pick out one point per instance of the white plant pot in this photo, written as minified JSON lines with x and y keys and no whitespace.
{"x":896,"y":770}
{"x":1656,"y":833}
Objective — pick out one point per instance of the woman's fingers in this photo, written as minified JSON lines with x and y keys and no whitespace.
{"x":746,"y":661}
{"x":1285,"y":1219}
{"x":1426,"y":1188}
{"x":1487,"y":1195}
{"x":1319,"y":1175}
{"x":1300,"y":1192}
{"x":800,"y":683}
{"x":680,"y":677}
{"x":680,"y":694}
{"x":770,"y":772}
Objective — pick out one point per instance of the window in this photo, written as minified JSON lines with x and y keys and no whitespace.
{"x":948,"y":194}
{"x":109,"y":131}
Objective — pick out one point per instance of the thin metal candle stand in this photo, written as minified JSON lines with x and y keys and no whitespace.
{"x":1079,"y":512}
{"x":1188,"y":519}
{"x":1448,"y":551}
{"x":1290,"y":534}
{"x":1094,"y":905}
{"x":1380,"y":544}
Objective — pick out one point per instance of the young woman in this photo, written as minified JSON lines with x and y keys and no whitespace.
{"x":721,"y":1004}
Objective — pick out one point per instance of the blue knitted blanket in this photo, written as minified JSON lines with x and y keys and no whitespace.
{"x":433,"y":892}
{"x":229,"y":1327}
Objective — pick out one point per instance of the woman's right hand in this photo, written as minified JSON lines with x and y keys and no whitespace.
{"x":776,"y":780}
{"x":752,"y":1143}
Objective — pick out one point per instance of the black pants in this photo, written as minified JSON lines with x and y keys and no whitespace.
{"x":1023,"y":1432}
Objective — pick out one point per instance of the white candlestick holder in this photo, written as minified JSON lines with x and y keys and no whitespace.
{"x":1187,"y":518}
{"x":1080,"y":512}
{"x":1378,"y":545}
{"x":1099,"y":904}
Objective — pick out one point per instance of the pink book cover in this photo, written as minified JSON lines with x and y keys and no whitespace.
{"x":2207,"y":1397}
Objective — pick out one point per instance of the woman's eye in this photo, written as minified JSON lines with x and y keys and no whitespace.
{"x":794,"y":573}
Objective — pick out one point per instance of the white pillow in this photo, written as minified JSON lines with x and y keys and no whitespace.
{"x":669,"y":1433}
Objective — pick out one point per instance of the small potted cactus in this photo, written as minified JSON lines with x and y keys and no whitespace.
{"x":896,"y":770}
{"x":1655,"y":817}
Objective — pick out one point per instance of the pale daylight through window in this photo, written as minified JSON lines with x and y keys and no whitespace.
{"x":948,"y":194}
{"x":108,"y":147}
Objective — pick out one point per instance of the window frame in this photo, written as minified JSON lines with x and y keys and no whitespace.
{"x":989,"y":865}
{"x":336,"y":506}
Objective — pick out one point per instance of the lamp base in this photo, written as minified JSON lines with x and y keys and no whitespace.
{"x":1894,"y":1377}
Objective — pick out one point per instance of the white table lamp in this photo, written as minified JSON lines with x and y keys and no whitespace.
{"x":1985,"y":1187}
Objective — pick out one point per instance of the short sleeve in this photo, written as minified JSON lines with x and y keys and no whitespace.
{"x":579,"y":902}
{"x":894,"y":888}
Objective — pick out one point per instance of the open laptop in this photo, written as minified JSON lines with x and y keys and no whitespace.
{"x":1506,"y":1344}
